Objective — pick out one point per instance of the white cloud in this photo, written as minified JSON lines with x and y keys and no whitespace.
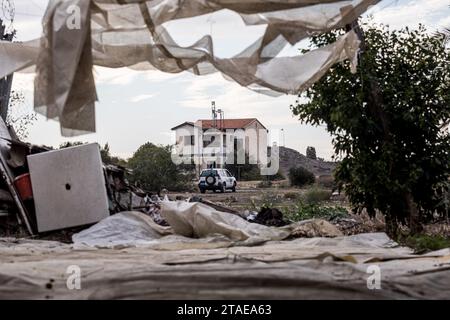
{"x":398,"y":14}
{"x":141,"y":97}
{"x":111,"y":76}
{"x":444,"y":22}
{"x":157,"y":76}
{"x":237,"y":101}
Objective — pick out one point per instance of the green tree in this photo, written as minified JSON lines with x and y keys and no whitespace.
{"x":300,"y":177}
{"x":107,"y":158}
{"x":154,"y":169}
{"x":105,"y":153}
{"x":388,"y":122}
{"x":69,"y":144}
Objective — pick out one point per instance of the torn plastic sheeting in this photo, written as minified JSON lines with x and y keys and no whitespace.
{"x":118,"y":39}
{"x":192,"y":225}
{"x":135,"y":229}
{"x":224,"y":273}
{"x":199,"y":220}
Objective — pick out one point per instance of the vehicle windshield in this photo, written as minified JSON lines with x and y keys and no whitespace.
{"x":206,"y":173}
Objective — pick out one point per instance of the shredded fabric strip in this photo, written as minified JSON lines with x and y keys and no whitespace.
{"x":78,"y":34}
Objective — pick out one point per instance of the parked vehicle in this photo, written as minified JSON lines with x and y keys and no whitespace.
{"x":216,"y":179}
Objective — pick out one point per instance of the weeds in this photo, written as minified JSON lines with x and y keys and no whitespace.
{"x":268,"y":200}
{"x":423,"y":243}
{"x":316,"y":195}
{"x":303,"y":211}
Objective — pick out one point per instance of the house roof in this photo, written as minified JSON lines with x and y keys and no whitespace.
{"x":186,"y":123}
{"x":228,"y":123}
{"x":225,"y":124}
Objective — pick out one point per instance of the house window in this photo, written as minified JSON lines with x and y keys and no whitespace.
{"x":189,"y":140}
{"x":209,"y":142}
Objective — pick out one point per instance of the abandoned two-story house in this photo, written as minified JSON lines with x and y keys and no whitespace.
{"x":212,"y":143}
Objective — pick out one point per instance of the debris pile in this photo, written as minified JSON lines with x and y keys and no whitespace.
{"x":270,"y":217}
{"x":71,"y":187}
{"x":14,"y":182}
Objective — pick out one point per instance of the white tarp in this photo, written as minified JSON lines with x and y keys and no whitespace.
{"x":207,"y":254}
{"x":305,"y":268}
{"x":119,"y":33}
{"x":192,"y":225}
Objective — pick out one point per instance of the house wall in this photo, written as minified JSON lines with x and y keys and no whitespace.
{"x":181,"y":133}
{"x":255,"y":131}
{"x":254,"y":135}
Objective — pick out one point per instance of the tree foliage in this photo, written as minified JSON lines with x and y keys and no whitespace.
{"x":154,"y":170}
{"x":105,"y":153}
{"x":300,"y":177}
{"x":107,"y":158}
{"x":388,"y":121}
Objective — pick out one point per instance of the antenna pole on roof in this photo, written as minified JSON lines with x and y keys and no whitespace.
{"x":214,"y":113}
{"x":221,"y":118}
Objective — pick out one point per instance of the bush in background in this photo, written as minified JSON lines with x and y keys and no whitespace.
{"x":316,"y":195}
{"x":300,"y":177}
{"x":326,"y":182}
{"x":154,"y":170}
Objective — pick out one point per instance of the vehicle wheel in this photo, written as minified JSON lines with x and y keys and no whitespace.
{"x":202,"y":190}
{"x":214,"y":190}
{"x":223,"y":188}
{"x":234,"y":187}
{"x":210,"y":180}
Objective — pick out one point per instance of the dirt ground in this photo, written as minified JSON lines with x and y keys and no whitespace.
{"x":250,"y":196}
{"x":246,"y":192}
{"x":302,"y":268}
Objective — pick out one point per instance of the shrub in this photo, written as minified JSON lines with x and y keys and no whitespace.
{"x":315,"y":195}
{"x":326,"y":182}
{"x":423,"y":243}
{"x":304,"y":211}
{"x":154,"y":170}
{"x":277,"y":176}
{"x":300,"y":177}
{"x":267,"y":200}
{"x":249,"y":173}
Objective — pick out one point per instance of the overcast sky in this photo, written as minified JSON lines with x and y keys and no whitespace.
{"x":137,"y":107}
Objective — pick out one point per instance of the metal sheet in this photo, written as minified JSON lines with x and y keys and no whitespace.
{"x":68,"y":187}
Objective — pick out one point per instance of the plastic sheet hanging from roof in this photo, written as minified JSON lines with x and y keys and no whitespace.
{"x":130,"y":33}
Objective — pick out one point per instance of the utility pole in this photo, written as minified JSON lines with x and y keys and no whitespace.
{"x":6,"y":82}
